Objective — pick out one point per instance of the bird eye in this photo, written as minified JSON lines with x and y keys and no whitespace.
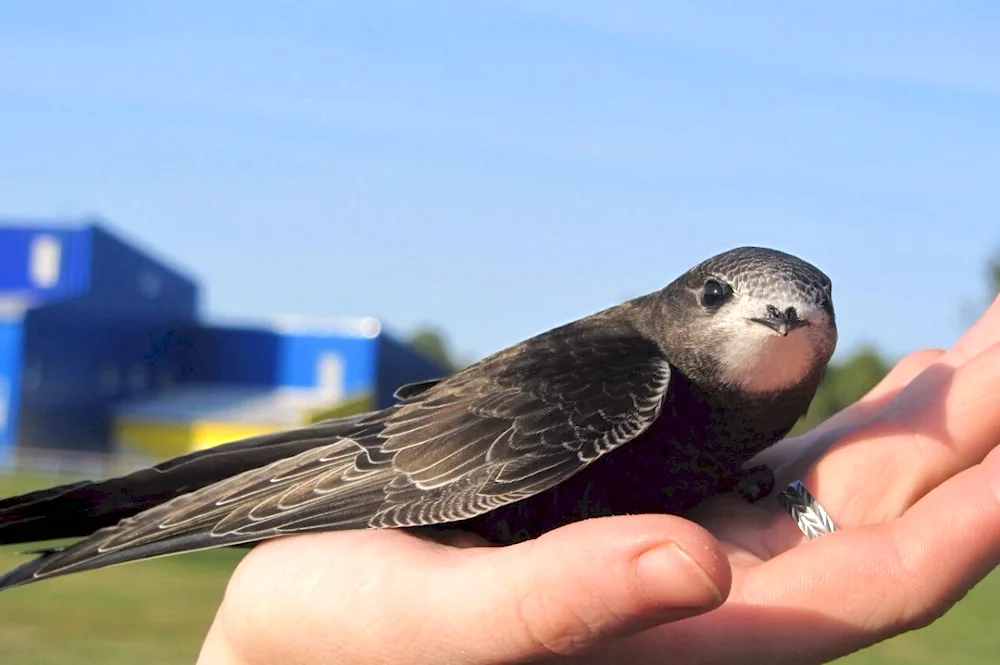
{"x":714,"y":293}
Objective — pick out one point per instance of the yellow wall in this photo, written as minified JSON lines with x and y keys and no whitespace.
{"x":162,"y":439}
{"x":165,"y":439}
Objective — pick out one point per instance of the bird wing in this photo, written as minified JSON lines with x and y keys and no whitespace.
{"x":507,"y":428}
{"x":408,"y":390}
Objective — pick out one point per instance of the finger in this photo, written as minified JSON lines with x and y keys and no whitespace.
{"x":930,"y":432}
{"x":915,"y":384}
{"x":367,"y":596}
{"x":911,"y":368}
{"x":791,"y":458}
{"x":901,"y":375}
{"x":906,"y":573}
{"x":947,"y":542}
{"x":579,"y":586}
{"x":985,"y":332}
{"x":853,"y":588}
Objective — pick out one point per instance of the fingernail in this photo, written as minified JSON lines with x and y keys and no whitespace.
{"x":673,"y":578}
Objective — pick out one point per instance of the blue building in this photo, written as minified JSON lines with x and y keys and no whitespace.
{"x":102,"y":348}
{"x":239,"y":381}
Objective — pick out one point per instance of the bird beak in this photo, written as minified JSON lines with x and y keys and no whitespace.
{"x":781,"y":322}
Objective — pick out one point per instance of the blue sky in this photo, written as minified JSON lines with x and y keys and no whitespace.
{"x":500,"y":168}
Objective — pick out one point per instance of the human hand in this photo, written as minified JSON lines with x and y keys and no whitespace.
{"x":394,"y":597}
{"x":911,"y":478}
{"x":911,"y":475}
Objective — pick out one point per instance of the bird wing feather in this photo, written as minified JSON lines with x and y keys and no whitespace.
{"x":507,"y":428}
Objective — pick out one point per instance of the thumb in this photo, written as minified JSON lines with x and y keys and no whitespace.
{"x":577,"y":587}
{"x":385,"y":596}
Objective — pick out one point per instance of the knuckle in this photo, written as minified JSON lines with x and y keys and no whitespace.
{"x":921,"y":595}
{"x":558,"y":627}
{"x":916,"y":607}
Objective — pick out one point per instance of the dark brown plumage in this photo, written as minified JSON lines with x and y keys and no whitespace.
{"x":649,"y":406}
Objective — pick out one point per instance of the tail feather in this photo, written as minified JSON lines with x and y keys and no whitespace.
{"x":36,"y":569}
{"x":81,"y":508}
{"x":199,"y":520}
{"x":39,"y":495}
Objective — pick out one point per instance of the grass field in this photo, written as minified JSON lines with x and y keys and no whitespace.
{"x":157,"y":613}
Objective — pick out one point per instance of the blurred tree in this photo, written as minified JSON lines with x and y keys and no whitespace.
{"x":993,"y":274}
{"x":433,"y":343}
{"x":973,"y":309}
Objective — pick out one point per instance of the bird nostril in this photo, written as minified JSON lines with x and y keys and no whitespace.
{"x":773,"y":312}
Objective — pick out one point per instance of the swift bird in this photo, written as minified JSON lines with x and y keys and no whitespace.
{"x":652,"y":405}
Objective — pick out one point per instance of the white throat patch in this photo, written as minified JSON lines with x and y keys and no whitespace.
{"x":759,"y":360}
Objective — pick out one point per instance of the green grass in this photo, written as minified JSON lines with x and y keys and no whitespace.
{"x":153,"y":612}
{"x":157,"y":612}
{"x":968,"y":634}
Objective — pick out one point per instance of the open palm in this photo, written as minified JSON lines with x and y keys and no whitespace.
{"x":909,"y":473}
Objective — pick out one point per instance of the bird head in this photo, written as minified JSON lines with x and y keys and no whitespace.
{"x":755,"y":319}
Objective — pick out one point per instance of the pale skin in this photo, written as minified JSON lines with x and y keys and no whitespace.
{"x":911,"y":473}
